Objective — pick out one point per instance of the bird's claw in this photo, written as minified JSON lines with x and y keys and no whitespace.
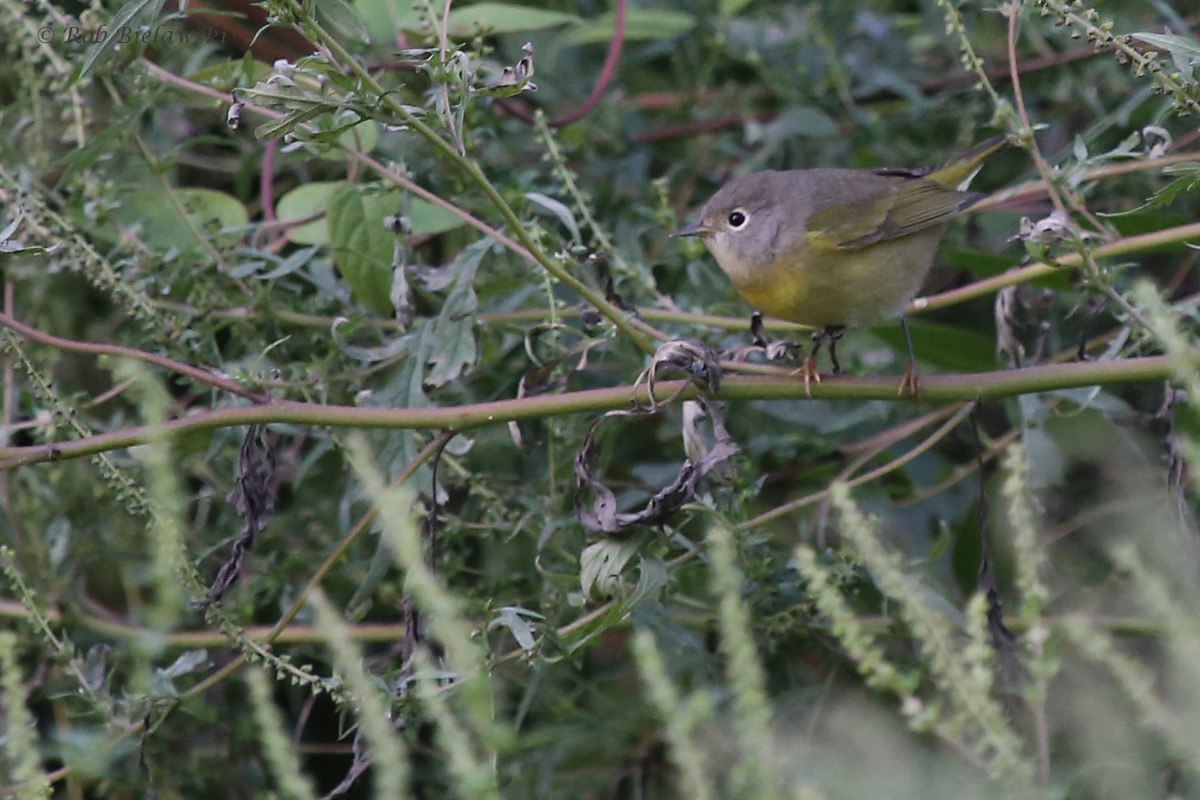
{"x":693,"y":358}
{"x":808,"y":373}
{"x":912,"y":382}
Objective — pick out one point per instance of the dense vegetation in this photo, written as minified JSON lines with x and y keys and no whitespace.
{"x":320,"y":354}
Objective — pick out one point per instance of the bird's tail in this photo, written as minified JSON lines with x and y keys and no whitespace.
{"x":958,"y":173}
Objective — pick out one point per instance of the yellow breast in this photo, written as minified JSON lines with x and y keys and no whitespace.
{"x":824,"y":285}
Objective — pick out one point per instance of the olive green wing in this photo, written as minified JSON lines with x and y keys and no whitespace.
{"x":900,"y":204}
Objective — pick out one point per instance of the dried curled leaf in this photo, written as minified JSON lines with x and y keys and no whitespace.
{"x":1021,"y":327}
{"x":700,"y":364}
{"x":689,"y":356}
{"x":515,"y":79}
{"x":603,"y":517}
{"x":254,"y":500}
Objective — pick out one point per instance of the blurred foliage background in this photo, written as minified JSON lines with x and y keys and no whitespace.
{"x":274,"y":237}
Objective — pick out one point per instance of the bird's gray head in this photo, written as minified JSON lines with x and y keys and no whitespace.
{"x":742,"y":223}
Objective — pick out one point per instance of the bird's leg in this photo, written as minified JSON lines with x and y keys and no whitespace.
{"x":758,"y":333}
{"x":912,"y":375}
{"x":776,"y":350}
{"x":833,"y":334}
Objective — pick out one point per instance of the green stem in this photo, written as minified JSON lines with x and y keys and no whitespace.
{"x":365,"y":632}
{"x":1130,"y":244}
{"x":936,"y":389}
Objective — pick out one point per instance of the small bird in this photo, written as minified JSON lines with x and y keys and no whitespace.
{"x":833,"y":248}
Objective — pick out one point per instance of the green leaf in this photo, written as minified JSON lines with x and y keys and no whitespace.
{"x":1189,"y":179}
{"x":513,"y":618}
{"x":454,"y":330}
{"x":428,"y":219}
{"x":382,"y":560}
{"x":312,"y":198}
{"x":940,"y":543}
{"x":979,"y":263}
{"x":559,"y":210}
{"x":224,"y":75}
{"x":945,"y":346}
{"x":363,"y":137}
{"x":506,"y":18}
{"x":368,"y":354}
{"x":341,"y":16}
{"x":383,"y":18}
{"x":1047,"y":463}
{"x":652,"y":578}
{"x":157,"y":217}
{"x":187,"y":663}
{"x":639,"y":26}
{"x":208,"y":207}
{"x":407,"y":388}
{"x":600,"y":566}
{"x":132,"y":16}
{"x":1148,"y":222}
{"x":1184,"y":52}
{"x":362,"y":247}
{"x":303,"y":202}
{"x":731,"y":8}
{"x":277,"y":129}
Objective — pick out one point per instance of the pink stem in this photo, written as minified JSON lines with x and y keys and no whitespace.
{"x":606,"y":75}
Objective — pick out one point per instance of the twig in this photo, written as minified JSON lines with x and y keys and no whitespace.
{"x":1003,"y":197}
{"x":488,"y":317}
{"x":866,"y":477}
{"x":1120,"y":247}
{"x":965,"y":471}
{"x":443,"y":47}
{"x":606,"y":73}
{"x":1014,"y":13}
{"x":195,"y":373}
{"x":367,"y":632}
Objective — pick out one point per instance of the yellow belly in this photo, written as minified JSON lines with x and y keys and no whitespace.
{"x":822,"y":286}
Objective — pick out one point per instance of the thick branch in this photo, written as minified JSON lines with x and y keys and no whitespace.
{"x":942,"y":388}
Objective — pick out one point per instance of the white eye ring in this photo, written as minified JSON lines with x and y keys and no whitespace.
{"x":738,"y":219}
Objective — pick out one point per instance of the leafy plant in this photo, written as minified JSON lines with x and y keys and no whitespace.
{"x":312,"y":313}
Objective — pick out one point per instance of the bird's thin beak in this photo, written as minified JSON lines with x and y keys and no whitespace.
{"x":695,"y":229}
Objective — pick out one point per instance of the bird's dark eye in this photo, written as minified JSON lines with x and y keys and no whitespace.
{"x":737,"y":219}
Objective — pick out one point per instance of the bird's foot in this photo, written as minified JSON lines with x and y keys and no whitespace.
{"x":808,"y":373}
{"x":775,"y":350}
{"x":912,"y":382}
